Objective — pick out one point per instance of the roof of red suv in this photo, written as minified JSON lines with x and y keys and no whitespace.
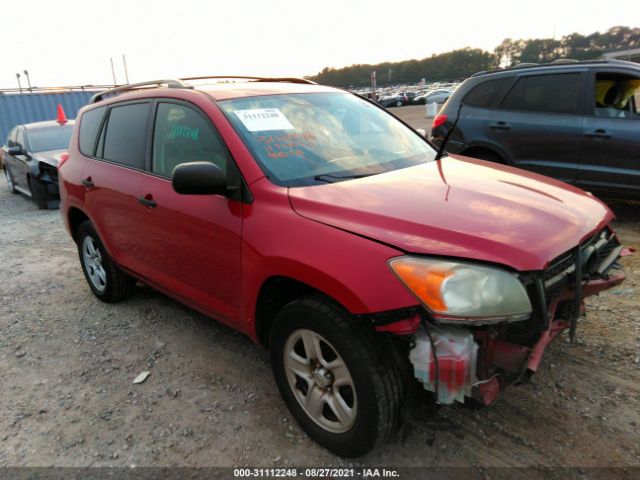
{"x":219,"y":90}
{"x":224,"y":91}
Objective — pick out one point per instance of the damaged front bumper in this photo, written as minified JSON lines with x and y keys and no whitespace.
{"x":478,"y":362}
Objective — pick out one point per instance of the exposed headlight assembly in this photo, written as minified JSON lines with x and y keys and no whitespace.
{"x":464,"y":293}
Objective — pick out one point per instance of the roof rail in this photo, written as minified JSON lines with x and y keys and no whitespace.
{"x":559,"y":62}
{"x":564,"y":61}
{"x":171,"y":83}
{"x":254,"y":79}
{"x":525,"y":65}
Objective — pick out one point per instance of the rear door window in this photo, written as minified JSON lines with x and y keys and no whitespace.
{"x":487,"y":93}
{"x":125,"y":137}
{"x":181,"y":135}
{"x":89,"y":127}
{"x":558,"y":93}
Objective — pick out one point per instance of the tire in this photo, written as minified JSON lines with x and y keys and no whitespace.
{"x":37,"y":194}
{"x":314,"y":344}
{"x":10,"y":183}
{"x":106,"y":280}
{"x":398,"y":103}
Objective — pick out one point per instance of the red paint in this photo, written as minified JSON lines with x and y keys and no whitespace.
{"x":489,"y":391}
{"x":63,"y":158}
{"x":595,"y":286}
{"x":402,"y":327}
{"x":548,"y":335}
{"x":508,"y":356}
{"x":461,"y":208}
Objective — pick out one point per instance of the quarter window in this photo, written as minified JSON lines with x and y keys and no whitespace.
{"x":545,"y":93}
{"x":125,"y":139}
{"x":89,"y":126}
{"x":182,"y":135}
{"x":616,"y":95}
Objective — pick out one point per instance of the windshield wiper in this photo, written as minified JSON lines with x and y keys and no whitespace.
{"x":326,"y":177}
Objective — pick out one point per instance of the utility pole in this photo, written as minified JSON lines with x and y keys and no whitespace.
{"x":113,"y":72}
{"x":126,"y":74}
{"x":19,"y":85}
{"x":373,"y":86}
{"x":390,"y":75}
{"x":26,"y":74}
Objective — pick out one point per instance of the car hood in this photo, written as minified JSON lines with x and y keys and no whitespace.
{"x":52,"y":157}
{"x":460,"y":207}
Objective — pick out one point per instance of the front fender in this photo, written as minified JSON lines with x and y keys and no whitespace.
{"x":350,"y":269}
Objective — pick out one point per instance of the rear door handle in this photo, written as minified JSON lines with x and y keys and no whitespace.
{"x":500,"y":126}
{"x":88,"y":183}
{"x":599,"y":133}
{"x":148,"y":201}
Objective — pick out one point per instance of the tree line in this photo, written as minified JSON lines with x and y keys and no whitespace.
{"x":459,"y":64}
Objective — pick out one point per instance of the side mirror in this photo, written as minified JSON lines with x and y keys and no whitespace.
{"x":199,"y":178}
{"x":15,"y":150}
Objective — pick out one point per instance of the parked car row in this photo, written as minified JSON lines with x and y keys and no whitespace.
{"x":413,"y":95}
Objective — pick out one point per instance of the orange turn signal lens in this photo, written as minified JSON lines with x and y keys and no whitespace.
{"x":423,"y":280}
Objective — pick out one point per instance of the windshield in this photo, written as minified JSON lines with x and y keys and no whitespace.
{"x":50,"y":138}
{"x":308,"y":139}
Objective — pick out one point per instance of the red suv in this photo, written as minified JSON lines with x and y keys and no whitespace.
{"x":322,"y":227}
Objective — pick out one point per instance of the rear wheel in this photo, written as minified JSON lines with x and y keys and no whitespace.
{"x":398,"y":103}
{"x":10,"y":184}
{"x":107,"y":281}
{"x":37,"y":193}
{"x":335,"y":376}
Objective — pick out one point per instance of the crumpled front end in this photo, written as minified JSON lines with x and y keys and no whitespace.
{"x":458,"y":361}
{"x":46,"y":175}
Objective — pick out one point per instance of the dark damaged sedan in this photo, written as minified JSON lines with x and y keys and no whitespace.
{"x":31,"y":157}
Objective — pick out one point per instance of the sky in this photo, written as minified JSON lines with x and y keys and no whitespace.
{"x":67,"y":42}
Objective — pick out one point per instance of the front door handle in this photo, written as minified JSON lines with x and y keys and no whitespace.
{"x":500,"y":126}
{"x":87,"y":182}
{"x":599,"y":133}
{"x":148,"y":201}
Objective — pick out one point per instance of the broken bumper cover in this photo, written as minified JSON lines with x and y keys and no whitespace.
{"x":479,"y":363}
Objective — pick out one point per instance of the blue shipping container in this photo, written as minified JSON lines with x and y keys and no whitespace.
{"x":16,"y":109}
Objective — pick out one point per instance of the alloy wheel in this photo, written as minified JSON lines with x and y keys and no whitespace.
{"x":320,"y":381}
{"x":93,"y":264}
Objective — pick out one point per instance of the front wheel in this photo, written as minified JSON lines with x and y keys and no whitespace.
{"x":398,"y":103}
{"x":107,"y":281}
{"x":334,"y":376}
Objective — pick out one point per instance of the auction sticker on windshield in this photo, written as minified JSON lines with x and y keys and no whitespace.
{"x":262,"y":119}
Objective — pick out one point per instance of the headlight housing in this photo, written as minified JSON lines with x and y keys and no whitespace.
{"x":464,"y":292}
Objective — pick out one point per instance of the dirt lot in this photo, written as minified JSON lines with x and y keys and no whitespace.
{"x":67,"y":363}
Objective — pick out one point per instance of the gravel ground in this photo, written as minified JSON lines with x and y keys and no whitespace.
{"x":67,"y":364}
